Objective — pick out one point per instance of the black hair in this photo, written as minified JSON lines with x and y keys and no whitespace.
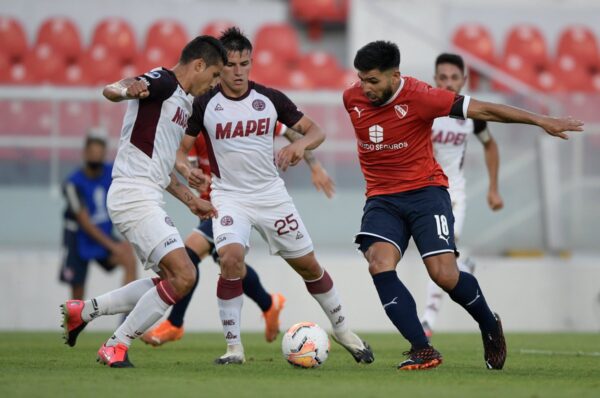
{"x":453,"y":59}
{"x":234,"y":40}
{"x":206,"y":47}
{"x":381,"y":55}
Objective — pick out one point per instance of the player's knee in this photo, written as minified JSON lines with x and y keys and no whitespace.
{"x":184,"y":280}
{"x":379,"y":264}
{"x":444,"y":275}
{"x":232,"y":264}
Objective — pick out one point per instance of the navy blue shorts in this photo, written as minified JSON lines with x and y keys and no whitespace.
{"x":205,"y":229}
{"x":74,"y":268}
{"x":425,"y":214}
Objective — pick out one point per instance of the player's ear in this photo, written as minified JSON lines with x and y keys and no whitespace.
{"x":199,"y":65}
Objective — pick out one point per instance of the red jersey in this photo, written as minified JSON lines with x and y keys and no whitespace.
{"x":394,"y":140}
{"x":199,"y":154}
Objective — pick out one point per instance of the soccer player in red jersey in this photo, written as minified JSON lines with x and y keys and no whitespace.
{"x":407,"y":192}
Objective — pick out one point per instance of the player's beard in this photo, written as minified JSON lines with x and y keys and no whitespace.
{"x":385,"y":96}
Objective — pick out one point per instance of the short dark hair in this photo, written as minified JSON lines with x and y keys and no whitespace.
{"x":453,"y":59}
{"x":234,"y":40}
{"x":206,"y":47}
{"x":382,"y":55}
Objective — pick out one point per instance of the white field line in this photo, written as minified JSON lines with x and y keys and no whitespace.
{"x":528,"y":351}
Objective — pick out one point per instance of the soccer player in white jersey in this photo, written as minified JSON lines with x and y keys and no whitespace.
{"x":153,"y":126}
{"x":237,"y":119}
{"x":450,"y":137}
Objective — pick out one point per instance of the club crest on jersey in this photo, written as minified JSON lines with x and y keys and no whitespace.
{"x":258,"y":104}
{"x":401,"y":110}
{"x":376,"y":133}
{"x":227,"y":221}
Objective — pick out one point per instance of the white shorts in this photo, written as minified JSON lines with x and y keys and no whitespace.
{"x":276,"y":219}
{"x":459,"y":209}
{"x":137,"y":212}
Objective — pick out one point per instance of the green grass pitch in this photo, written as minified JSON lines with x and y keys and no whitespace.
{"x":40,"y":365}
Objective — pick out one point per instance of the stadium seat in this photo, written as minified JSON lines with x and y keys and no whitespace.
{"x":580,"y":43}
{"x":516,"y":66}
{"x":20,"y":73}
{"x":215,"y":28}
{"x":281,"y":39}
{"x":268,"y":69}
{"x":528,"y":42}
{"x":169,"y":36}
{"x":45,"y":63}
{"x":323,"y":69}
{"x":74,"y":75}
{"x":5,"y":65}
{"x":573,"y":75}
{"x":62,"y":35}
{"x":476,"y":40}
{"x":320,"y":10}
{"x":100,"y":65}
{"x":154,"y":57}
{"x":39,"y":118}
{"x":118,"y":37}
{"x":13,"y":40}
{"x":13,"y":114}
{"x":75,"y":117}
{"x":346,"y":79}
{"x":298,"y":79}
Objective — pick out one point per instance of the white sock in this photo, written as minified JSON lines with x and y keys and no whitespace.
{"x":435,"y":294}
{"x":149,"y":309}
{"x":121,"y":300}
{"x":331,"y":304}
{"x":230,"y":311}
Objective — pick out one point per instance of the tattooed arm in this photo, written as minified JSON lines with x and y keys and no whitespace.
{"x":199,"y":207}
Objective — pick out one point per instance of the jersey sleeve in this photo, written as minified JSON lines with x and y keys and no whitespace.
{"x":161,"y":84}
{"x":196,"y":121}
{"x":75,"y":201}
{"x":436,"y":102}
{"x":287,"y":111}
{"x":479,"y":126}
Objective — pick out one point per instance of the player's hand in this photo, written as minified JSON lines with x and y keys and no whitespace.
{"x":557,"y":126}
{"x":122,"y":253}
{"x":202,"y":208}
{"x":290,"y":155}
{"x":322,"y":181}
{"x":198,"y":180}
{"x":495,"y":200}
{"x":138,"y":89}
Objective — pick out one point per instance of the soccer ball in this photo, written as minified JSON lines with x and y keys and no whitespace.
{"x":305,"y":345}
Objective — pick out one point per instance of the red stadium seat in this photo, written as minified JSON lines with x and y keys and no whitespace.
{"x":62,"y":35}
{"x":117,"y":35}
{"x":5,"y":65}
{"x":574,"y":76}
{"x":346,"y":79}
{"x":169,"y":36}
{"x":320,"y":10}
{"x":580,"y":43}
{"x":13,"y":41}
{"x":323,"y":69}
{"x":215,"y":28}
{"x":14,"y":115}
{"x":39,"y":118}
{"x":528,"y":42}
{"x":75,"y":117}
{"x":45,"y":63}
{"x":477,"y":41}
{"x":282,"y":39}
{"x":300,"y":80}
{"x":74,"y":75}
{"x":154,"y":57}
{"x":21,"y":73}
{"x":518,"y":68}
{"x":100,"y":65}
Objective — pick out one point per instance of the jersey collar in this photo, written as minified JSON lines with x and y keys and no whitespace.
{"x":395,"y":94}
{"x":243,"y":96}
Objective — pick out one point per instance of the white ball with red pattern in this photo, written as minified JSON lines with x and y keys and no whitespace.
{"x":305,"y":345}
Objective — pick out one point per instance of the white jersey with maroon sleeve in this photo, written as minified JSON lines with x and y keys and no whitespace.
{"x":152,"y":131}
{"x":450,"y":137}
{"x":239,"y":136}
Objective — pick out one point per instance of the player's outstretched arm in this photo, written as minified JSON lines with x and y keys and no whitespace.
{"x":125,"y":89}
{"x":200,"y":207}
{"x":319,"y":176}
{"x":491,"y":112}
{"x":312,"y":137}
